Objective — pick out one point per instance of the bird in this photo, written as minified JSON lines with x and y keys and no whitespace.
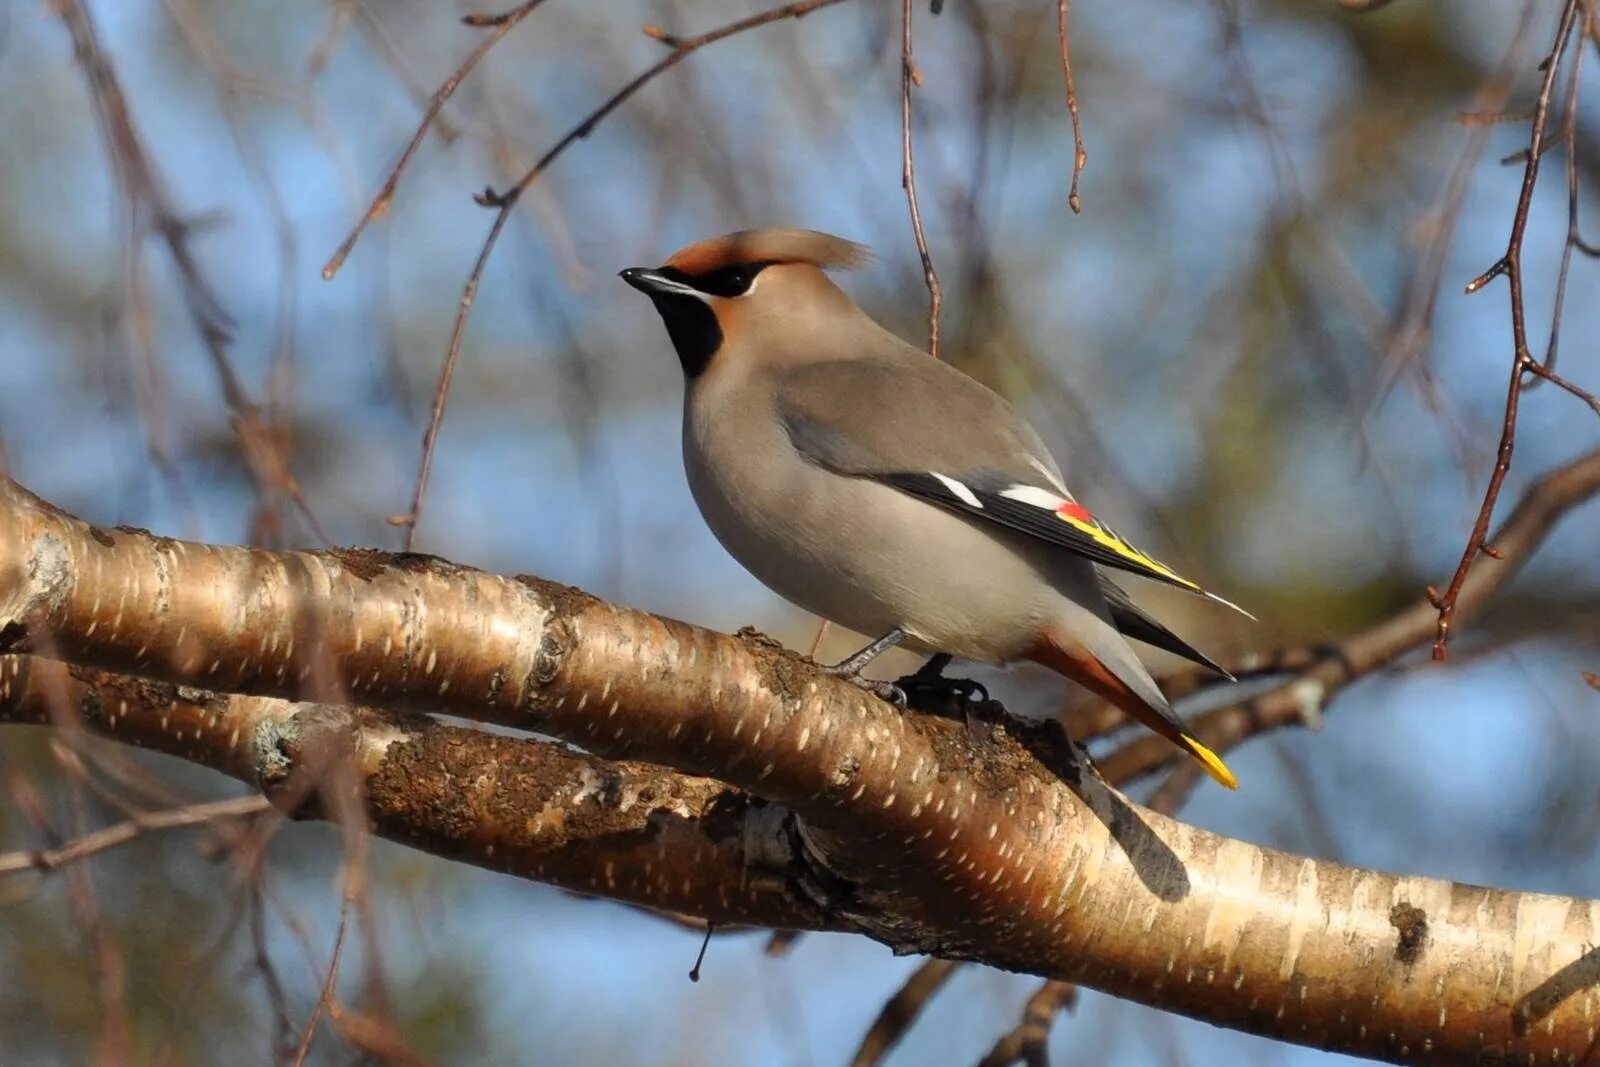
{"x":878,"y":487}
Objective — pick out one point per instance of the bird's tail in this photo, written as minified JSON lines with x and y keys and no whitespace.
{"x":1123,"y":681}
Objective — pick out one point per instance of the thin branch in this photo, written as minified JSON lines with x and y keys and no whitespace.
{"x":505,"y":202}
{"x":52,"y":859}
{"x":636,"y":833}
{"x":901,"y":1011}
{"x":910,"y":75}
{"x":329,"y":980}
{"x":1541,"y":372}
{"x":500,"y":25}
{"x":1413,"y":324}
{"x":261,"y":960}
{"x":1318,"y":674}
{"x":1080,"y":155}
{"x":1510,"y":265}
{"x":1569,"y":141}
{"x":265,"y":452}
{"x":1029,"y":1040}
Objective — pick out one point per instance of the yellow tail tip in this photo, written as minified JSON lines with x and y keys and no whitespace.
{"x":1212,"y":763}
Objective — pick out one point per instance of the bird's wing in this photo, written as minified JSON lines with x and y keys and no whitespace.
{"x":925,"y":428}
{"x":1133,"y":621}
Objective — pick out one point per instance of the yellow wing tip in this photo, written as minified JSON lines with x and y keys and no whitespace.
{"x":1212,"y":763}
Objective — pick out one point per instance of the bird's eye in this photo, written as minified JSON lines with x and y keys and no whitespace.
{"x":729,"y":281}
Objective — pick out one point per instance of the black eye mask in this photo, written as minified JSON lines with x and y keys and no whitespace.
{"x":728,"y":281}
{"x":690,"y":323}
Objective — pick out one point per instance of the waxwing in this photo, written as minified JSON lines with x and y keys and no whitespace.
{"x":875,"y":486}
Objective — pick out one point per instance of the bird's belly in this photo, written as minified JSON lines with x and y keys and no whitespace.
{"x":872,"y":558}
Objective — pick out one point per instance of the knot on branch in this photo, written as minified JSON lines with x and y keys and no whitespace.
{"x":305,"y":763}
{"x":49,"y":579}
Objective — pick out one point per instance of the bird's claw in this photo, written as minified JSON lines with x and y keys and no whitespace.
{"x":964,"y":688}
{"x":968,"y":689}
{"x":888,"y":691}
{"x":936,"y":685}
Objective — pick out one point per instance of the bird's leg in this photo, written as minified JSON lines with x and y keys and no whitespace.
{"x":929,"y":678}
{"x":850,"y":667}
{"x":853,"y":663}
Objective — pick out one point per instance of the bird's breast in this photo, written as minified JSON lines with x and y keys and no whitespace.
{"x":856,"y":551}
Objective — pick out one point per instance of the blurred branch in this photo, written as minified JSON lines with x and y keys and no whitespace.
{"x":1318,"y":674}
{"x":901,"y":1011}
{"x":1569,"y":142}
{"x":500,"y":26}
{"x":957,"y":831}
{"x":1028,"y":1041}
{"x":264,"y":445}
{"x":911,"y":75}
{"x":51,"y":859}
{"x":504,"y":202}
{"x":1522,"y":363}
{"x":1412,"y":327}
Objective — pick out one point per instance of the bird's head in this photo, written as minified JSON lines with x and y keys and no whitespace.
{"x":753,"y":282}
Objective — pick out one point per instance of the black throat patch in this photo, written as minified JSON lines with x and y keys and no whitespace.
{"x":693,"y":329}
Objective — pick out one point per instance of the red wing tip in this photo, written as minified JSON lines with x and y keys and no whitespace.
{"x":1071,"y":509}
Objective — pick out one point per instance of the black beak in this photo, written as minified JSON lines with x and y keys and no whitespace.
{"x":690,"y":322}
{"x":655,"y":284}
{"x":643,"y":279}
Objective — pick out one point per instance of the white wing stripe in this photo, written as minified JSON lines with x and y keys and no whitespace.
{"x":962,"y":493}
{"x":1033,"y":496}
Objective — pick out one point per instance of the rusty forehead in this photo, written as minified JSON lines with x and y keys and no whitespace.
{"x":768,"y":246}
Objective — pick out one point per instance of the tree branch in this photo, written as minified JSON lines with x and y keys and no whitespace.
{"x":968,"y":836}
{"x":1522,"y":361}
{"x":1318,"y":674}
{"x":628,"y":831}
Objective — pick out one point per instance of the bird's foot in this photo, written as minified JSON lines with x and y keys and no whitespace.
{"x":882,"y":690}
{"x":929,"y":682}
{"x":850,"y":668}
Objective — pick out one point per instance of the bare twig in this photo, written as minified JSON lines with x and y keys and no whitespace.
{"x":1080,"y":155}
{"x":1318,"y":674}
{"x":1413,"y":323}
{"x":105,"y":958}
{"x":816,"y":640}
{"x":51,"y":859}
{"x":264,"y":446}
{"x":1522,"y":361}
{"x":261,"y":960}
{"x":1569,"y":141}
{"x":330,"y":978}
{"x":504,"y":202}
{"x":501,"y":25}
{"x":909,"y":75}
{"x":901,"y":1011}
{"x":1029,"y":1040}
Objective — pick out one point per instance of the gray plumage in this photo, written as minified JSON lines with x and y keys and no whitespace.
{"x":875,"y":486}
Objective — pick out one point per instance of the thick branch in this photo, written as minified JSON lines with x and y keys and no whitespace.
{"x":628,"y":831}
{"x":978,"y":841}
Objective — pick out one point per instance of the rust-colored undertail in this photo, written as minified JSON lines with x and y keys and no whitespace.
{"x":1081,"y":666}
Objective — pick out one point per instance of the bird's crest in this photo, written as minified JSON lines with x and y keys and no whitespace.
{"x":769,"y":246}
